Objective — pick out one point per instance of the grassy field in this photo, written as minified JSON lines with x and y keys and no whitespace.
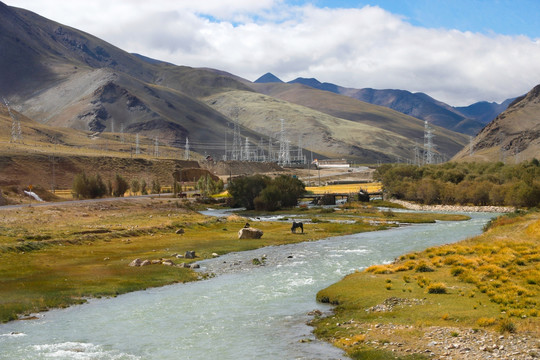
{"x":490,"y":282}
{"x":58,"y":256}
{"x":345,"y":188}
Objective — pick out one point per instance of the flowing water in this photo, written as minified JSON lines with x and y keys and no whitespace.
{"x":245,"y":312}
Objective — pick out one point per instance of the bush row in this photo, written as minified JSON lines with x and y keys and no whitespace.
{"x":464,"y":183}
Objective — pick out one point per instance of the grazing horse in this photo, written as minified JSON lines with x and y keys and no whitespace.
{"x":297,"y":225}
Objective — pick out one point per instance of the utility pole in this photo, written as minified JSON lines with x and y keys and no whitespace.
{"x":137,"y":148}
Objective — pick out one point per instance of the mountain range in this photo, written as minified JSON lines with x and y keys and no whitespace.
{"x":468,"y":119}
{"x":63,"y":77}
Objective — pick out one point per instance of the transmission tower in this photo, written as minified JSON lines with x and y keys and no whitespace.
{"x":299,"y":152}
{"x":237,"y":147}
{"x":156,"y":147}
{"x":16,"y":133}
{"x":416,"y":154}
{"x":122,"y":133}
{"x":186,"y":154}
{"x":226,"y":131}
{"x":283,"y":156}
{"x":428,"y":143}
{"x":137,"y":147}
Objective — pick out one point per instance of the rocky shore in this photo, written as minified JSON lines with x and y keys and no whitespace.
{"x":454,"y":208}
{"x":456,"y":343}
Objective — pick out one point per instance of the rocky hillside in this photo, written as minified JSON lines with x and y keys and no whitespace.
{"x":64,"y":77}
{"x":513,"y":136}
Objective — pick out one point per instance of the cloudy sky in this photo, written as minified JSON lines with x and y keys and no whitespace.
{"x":457,"y":51}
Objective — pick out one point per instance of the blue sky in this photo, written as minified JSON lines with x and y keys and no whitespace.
{"x":457,"y":51}
{"x":507,"y":17}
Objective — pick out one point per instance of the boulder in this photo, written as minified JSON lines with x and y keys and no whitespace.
{"x":195,"y":266}
{"x":250,"y":233}
{"x":190,"y":255}
{"x":168,"y":262}
{"x":180,"y":231}
{"x":156,"y":261}
{"x":145,"y":263}
{"x":136,"y":262}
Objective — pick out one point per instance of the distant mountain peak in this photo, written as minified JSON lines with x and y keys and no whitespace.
{"x":268,"y":78}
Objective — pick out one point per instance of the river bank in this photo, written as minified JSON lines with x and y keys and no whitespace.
{"x":476,"y":299}
{"x":453,"y":208}
{"x":225,"y":316}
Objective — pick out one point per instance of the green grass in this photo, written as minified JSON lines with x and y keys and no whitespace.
{"x":55,"y":257}
{"x":489,"y":281}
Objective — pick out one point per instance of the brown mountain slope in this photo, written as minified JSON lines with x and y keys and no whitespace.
{"x":65,"y":77}
{"x":448,"y":142}
{"x":513,"y":136}
{"x":314,"y":130}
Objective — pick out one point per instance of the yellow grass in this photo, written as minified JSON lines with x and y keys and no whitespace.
{"x":345,"y":188}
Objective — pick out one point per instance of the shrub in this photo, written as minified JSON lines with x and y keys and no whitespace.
{"x":120,"y":186}
{"x":135,"y":186}
{"x":485,"y":322}
{"x":88,"y":187}
{"x":437,"y":288}
{"x":507,"y":326}
{"x":423,"y":267}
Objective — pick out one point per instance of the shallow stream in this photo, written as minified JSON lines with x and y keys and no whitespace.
{"x":245,"y":312}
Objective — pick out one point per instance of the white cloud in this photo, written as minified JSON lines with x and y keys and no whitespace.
{"x":358,"y":48}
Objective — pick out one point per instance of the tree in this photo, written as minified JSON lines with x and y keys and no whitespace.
{"x":135,"y":186}
{"x":88,"y":187}
{"x":245,"y":189}
{"x":120,"y":186}
{"x":156,"y":187}
{"x":144,"y":189}
{"x":262,"y":193}
{"x":209,"y":186}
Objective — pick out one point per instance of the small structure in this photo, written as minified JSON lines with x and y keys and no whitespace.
{"x":331,"y":163}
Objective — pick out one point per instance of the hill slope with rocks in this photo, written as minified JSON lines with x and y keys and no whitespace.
{"x":513,"y":136}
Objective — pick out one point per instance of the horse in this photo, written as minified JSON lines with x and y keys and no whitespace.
{"x":296,"y":225}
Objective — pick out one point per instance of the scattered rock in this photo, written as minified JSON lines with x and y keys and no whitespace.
{"x":190,"y":255}
{"x":215,"y":255}
{"x":145,"y":263}
{"x":156,"y":261}
{"x":315,"y":313}
{"x":250,"y":233}
{"x":195,"y":266}
{"x":180,"y":231}
{"x":136,"y":262}
{"x":168,"y":262}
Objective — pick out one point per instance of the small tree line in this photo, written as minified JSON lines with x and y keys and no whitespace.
{"x":92,"y":187}
{"x":464,"y":183}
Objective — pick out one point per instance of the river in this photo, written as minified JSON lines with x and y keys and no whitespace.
{"x":245,"y":312}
